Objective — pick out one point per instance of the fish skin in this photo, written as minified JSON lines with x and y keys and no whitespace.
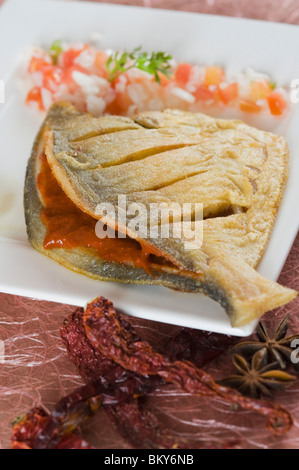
{"x":224,"y":264}
{"x":84,"y":261}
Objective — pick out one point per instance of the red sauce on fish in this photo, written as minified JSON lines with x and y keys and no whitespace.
{"x":69,"y":227}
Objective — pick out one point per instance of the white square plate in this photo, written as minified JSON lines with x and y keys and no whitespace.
{"x":235,"y":43}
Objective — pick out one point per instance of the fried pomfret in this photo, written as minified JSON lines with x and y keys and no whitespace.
{"x":235,"y":171}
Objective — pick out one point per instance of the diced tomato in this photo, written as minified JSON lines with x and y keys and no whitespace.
{"x":204,"y":93}
{"x":182,"y":74}
{"x":229,"y":93}
{"x":35,"y":95}
{"x":120,"y":104}
{"x":260,"y":89}
{"x":51,"y":74}
{"x":249,"y":106}
{"x":277,"y":103}
{"x":214,"y":75}
{"x":123,"y":101}
{"x":52,"y":77}
{"x":115,"y":82}
{"x":36,"y":64}
{"x":68,"y":57}
{"x":100,"y":60}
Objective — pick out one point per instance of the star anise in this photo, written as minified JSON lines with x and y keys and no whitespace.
{"x":257,"y":377}
{"x":278,"y":347}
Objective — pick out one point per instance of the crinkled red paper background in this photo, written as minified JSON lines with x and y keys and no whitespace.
{"x":36,"y":369}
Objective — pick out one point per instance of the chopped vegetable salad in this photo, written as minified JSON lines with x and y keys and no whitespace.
{"x":124,"y":82}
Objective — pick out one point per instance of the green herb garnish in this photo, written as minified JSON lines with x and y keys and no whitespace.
{"x":272,"y":85}
{"x":55,"y":50}
{"x":120,"y":62}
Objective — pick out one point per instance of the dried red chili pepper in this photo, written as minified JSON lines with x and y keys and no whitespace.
{"x":137,"y":425}
{"x":140,"y":427}
{"x":48,"y":431}
{"x":117,"y":388}
{"x":110,"y":385}
{"x":107,"y":334}
{"x":27,"y":427}
{"x":90,"y":362}
{"x":27,"y":430}
{"x":146,"y":432}
{"x":113,"y":386}
{"x":199,"y":347}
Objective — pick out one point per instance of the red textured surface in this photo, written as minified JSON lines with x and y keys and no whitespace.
{"x":36,"y":369}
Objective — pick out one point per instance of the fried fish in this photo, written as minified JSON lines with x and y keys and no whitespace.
{"x":235,"y":171}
